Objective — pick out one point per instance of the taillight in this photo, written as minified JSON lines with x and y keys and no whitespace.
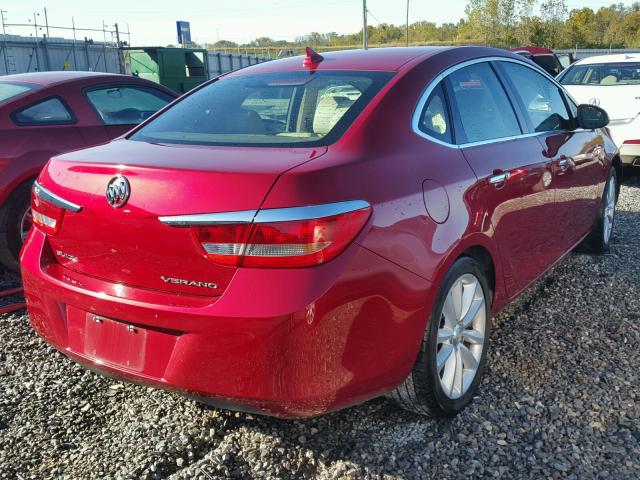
{"x":632,"y":142}
{"x":48,"y":209}
{"x":46,"y":216}
{"x":280,"y":238}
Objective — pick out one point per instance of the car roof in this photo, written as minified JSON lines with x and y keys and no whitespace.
{"x":381,"y":59}
{"x":52,"y":78}
{"x":389,"y":59}
{"x":612,"y":58}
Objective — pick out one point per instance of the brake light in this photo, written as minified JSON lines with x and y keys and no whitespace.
{"x":632,"y":142}
{"x":46,"y":216}
{"x":48,"y":209}
{"x":281,"y":244}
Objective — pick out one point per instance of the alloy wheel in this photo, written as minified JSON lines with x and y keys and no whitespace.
{"x":461,"y":335}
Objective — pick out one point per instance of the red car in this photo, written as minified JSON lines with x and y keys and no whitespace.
{"x":303,"y":235}
{"x":47,"y":113}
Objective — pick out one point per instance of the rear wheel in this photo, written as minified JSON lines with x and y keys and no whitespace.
{"x":600,"y":237}
{"x":15,"y":223}
{"x":451,"y":360}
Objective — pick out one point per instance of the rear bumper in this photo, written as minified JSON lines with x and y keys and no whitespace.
{"x":620,"y":132}
{"x":630,"y":154}
{"x":290,"y":343}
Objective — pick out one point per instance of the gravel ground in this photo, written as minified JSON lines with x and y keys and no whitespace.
{"x":560,"y":399}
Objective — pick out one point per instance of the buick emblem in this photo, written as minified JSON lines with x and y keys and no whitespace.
{"x":118,"y":191}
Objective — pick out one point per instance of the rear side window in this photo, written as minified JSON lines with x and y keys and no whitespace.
{"x":277,"y":109}
{"x":481,"y":104}
{"x":9,"y":90}
{"x":126,"y":105}
{"x":541,"y":98}
{"x":434,"y":120}
{"x":47,"y":112}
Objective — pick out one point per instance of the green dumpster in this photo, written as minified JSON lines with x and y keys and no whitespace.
{"x":180,"y":69}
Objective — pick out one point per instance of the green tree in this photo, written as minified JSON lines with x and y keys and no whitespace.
{"x":225,"y":44}
{"x":579,"y":28}
{"x":553,"y":14}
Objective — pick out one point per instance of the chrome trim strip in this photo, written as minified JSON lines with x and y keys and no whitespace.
{"x":266,"y":216}
{"x":244,"y":216}
{"x":415,"y":120}
{"x":51,"y":197}
{"x":310,"y":212}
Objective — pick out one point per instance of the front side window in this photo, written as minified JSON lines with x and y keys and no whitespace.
{"x":277,"y":109}
{"x":606,"y":74}
{"x":479,"y":100}
{"x":434,"y":120}
{"x":122,"y":105}
{"x":47,"y":112}
{"x":541,"y":98}
{"x":9,"y":90}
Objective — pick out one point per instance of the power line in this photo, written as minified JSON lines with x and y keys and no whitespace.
{"x":374,"y":17}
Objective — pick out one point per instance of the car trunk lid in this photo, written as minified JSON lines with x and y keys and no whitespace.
{"x":130,"y":245}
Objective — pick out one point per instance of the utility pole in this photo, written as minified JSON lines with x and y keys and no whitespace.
{"x":104,"y":46}
{"x":73,"y":49}
{"x":365,"y":39}
{"x":119,"y":51}
{"x":407,"y":23}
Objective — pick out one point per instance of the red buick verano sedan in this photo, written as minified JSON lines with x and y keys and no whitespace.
{"x":303,"y":235}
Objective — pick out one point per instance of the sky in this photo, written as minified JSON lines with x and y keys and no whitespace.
{"x":153,"y":22}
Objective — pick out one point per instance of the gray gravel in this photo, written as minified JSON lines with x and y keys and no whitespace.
{"x":561,"y":399}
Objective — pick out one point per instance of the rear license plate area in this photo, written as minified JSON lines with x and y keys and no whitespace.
{"x":115,"y":342}
{"x":127,"y":346}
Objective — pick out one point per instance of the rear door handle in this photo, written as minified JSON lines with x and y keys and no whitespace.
{"x":499,"y":178}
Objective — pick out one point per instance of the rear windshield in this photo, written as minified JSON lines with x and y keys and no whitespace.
{"x":278,"y":109}
{"x":627,"y":73}
{"x":13,"y":89}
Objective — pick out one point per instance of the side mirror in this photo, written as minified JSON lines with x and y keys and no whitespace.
{"x":591,"y":117}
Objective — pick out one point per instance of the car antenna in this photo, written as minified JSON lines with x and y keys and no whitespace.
{"x":312,"y":58}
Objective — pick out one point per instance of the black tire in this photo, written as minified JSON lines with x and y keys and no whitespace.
{"x":422,"y":391}
{"x":10,"y":216}
{"x":597,"y":242}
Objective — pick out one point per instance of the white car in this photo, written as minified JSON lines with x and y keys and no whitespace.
{"x":613,"y":83}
